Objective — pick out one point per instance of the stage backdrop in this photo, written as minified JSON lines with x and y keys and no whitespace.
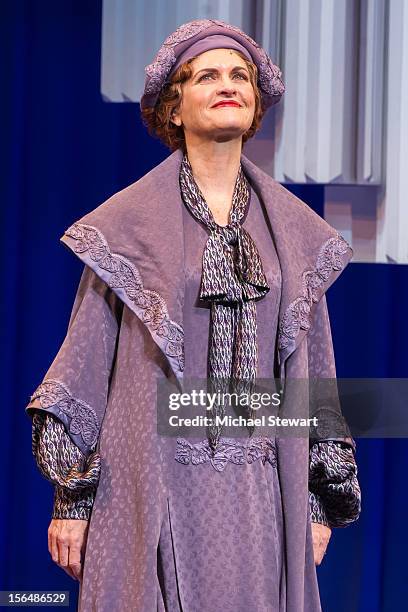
{"x":65,"y":151}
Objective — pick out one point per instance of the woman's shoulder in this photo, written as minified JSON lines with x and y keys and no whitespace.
{"x":138,"y":202}
{"x":286,"y":211}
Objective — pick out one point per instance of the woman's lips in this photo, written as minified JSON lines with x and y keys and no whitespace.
{"x":226,"y":104}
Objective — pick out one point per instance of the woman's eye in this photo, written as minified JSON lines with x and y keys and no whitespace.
{"x":204,"y":76}
{"x":239,"y":74}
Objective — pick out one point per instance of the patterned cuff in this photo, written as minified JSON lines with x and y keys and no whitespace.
{"x":316,"y":507}
{"x":59,"y":460}
{"x":73,"y":504}
{"x":333,"y":477}
{"x":340,"y":442}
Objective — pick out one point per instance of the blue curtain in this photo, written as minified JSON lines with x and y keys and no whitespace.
{"x":64,"y":151}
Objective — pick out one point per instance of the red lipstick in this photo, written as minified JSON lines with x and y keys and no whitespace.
{"x":226,"y":103}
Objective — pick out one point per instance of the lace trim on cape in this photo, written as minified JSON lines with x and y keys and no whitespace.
{"x":298,"y":313}
{"x":83,"y":420}
{"x":124,"y":275}
{"x":228,"y":450}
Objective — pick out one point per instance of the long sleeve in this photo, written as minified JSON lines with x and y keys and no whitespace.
{"x":76,"y":386}
{"x":316,"y":509}
{"x":334,"y":491}
{"x":68,"y":407}
{"x":60,"y":461}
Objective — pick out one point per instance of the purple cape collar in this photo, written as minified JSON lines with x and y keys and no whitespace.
{"x":134,"y":242}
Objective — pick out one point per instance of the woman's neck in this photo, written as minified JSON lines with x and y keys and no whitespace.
{"x":215,"y":168}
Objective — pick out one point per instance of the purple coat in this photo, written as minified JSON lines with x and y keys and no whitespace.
{"x":102,"y":383}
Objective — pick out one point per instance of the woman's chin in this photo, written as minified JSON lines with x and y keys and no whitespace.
{"x":230,"y":133}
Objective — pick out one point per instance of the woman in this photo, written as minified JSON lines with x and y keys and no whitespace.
{"x":204,"y":267}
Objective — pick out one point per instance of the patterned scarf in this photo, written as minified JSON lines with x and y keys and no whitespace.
{"x":232,"y":279}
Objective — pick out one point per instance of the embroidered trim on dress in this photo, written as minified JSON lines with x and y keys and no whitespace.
{"x":125,"y":275}
{"x":228,"y":450}
{"x":298,"y":313}
{"x":83,"y":418}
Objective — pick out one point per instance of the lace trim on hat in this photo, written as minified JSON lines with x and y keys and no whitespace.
{"x":83,"y":420}
{"x":298,"y":313}
{"x":124,"y":275}
{"x":228,"y":450}
{"x":188,"y":30}
{"x":269,"y":74}
{"x":165,"y":58}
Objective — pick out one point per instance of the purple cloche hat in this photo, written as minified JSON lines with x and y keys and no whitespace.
{"x":195,"y":37}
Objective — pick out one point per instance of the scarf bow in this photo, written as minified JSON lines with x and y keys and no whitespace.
{"x":232,"y":279}
{"x":232,"y":267}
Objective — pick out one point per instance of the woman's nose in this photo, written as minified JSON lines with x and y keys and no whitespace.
{"x":227,"y":88}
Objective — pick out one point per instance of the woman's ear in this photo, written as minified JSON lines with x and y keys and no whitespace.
{"x":175,"y":118}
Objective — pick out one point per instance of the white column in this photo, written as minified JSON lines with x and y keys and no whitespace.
{"x":319,"y":69}
{"x":392,"y":244}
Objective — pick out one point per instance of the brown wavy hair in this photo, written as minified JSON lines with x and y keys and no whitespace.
{"x":158,"y":119}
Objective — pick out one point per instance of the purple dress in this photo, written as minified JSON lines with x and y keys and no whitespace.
{"x":221,"y":541}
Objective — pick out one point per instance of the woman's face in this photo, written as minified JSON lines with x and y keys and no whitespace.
{"x":219,"y":75}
